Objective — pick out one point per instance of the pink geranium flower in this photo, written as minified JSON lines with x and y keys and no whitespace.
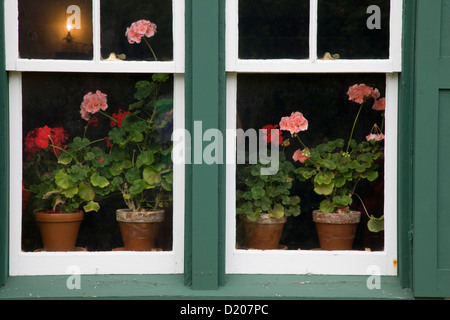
{"x":295,"y":123}
{"x":301,"y":155}
{"x":93,"y":103}
{"x":375,"y":137}
{"x":380,"y":104}
{"x":139,"y":29}
{"x":360,"y":93}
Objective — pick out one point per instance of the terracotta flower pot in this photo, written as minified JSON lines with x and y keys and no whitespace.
{"x":139,"y":230}
{"x":336,"y":231}
{"x":59,"y":231}
{"x":264,"y":233}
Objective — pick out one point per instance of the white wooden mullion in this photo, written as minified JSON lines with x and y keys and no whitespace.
{"x":11,"y":33}
{"x":232,"y":34}
{"x":96,"y":27}
{"x":313,"y":16}
{"x":395,"y":34}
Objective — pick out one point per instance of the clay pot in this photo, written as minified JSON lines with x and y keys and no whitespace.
{"x":139,"y":230}
{"x":336,"y":231}
{"x":59,"y":231}
{"x":264,"y":233}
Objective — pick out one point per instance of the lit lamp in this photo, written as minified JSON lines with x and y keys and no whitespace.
{"x":68,"y":38}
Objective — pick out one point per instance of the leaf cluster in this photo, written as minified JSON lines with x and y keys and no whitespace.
{"x":335,"y":173}
{"x":257,"y":194}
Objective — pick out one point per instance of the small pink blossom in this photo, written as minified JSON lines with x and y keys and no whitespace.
{"x":93,"y":103}
{"x":375,"y":137}
{"x":295,"y":123}
{"x":301,"y":155}
{"x":379,"y":105}
{"x":360,"y":93}
{"x":139,"y":29}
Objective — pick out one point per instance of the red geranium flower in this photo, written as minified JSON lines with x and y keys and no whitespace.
{"x":119,"y":118}
{"x":267,"y":131}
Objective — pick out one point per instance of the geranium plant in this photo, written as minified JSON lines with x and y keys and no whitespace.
{"x":64,"y":177}
{"x":336,"y":167}
{"x":138,"y":163}
{"x":258,"y":194}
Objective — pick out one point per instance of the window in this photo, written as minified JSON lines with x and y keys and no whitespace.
{"x":56,"y":53}
{"x":288,"y":56}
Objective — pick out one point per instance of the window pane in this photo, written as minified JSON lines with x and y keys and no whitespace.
{"x":346,"y":29}
{"x":44,"y":29}
{"x":53,"y":100}
{"x":322,"y":99}
{"x":118,"y":15}
{"x":274,"y":29}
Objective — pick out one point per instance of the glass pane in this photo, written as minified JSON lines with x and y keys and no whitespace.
{"x":322,"y":99}
{"x":274,"y":29}
{"x":347,"y":31}
{"x":118,"y":16}
{"x":54,"y":100}
{"x":51,"y":29}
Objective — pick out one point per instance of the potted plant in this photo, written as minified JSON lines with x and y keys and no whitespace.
{"x":138,"y":164}
{"x":64,"y":179}
{"x":335,"y":169}
{"x":264,"y":201}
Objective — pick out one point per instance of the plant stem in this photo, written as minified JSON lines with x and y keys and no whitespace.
{"x":304,"y":146}
{"x":362,"y":202}
{"x":353,"y":128}
{"x":153,"y":52}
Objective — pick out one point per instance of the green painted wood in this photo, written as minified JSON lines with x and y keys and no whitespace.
{"x":4,"y":152}
{"x":170,"y":287}
{"x":431,"y":154}
{"x":405,"y":145}
{"x":205,"y":72}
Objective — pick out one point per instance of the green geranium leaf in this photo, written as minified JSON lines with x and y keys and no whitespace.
{"x":144,"y":89}
{"x":145,"y":158}
{"x":375,"y":224}
{"x":164,"y":105}
{"x":151,"y":176}
{"x":138,"y":187}
{"x":99,"y":181}
{"x":132,"y":174}
{"x":64,"y":158}
{"x":117,"y":135}
{"x":91,"y":206}
{"x":277,"y":212}
{"x":258,"y":192}
{"x":86,"y":192}
{"x":160,"y":77}
{"x":327,"y":206}
{"x":342,"y":201}
{"x":136,"y":105}
{"x":323,"y":189}
{"x":70,"y":193}
{"x":62,"y":179}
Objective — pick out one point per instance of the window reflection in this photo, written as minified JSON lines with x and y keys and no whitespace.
{"x":117,"y":16}
{"x":347,"y":31}
{"x":273,"y":29}
{"x":55,"y":29}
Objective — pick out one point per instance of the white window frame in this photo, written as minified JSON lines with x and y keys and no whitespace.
{"x":384,"y":262}
{"x":105,"y":262}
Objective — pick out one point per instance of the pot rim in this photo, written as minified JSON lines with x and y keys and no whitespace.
{"x":352,"y":217}
{"x":264,"y":218}
{"x":59,"y":217}
{"x":143,"y":216}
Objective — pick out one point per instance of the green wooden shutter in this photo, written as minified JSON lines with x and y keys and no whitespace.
{"x":432,"y":151}
{"x":4,"y":170}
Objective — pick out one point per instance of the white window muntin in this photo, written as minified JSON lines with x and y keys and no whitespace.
{"x":105,"y":262}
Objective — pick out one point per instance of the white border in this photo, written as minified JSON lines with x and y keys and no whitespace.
{"x":313,"y":64}
{"x":14,"y":63}
{"x":312,"y":261}
{"x":111,"y":262}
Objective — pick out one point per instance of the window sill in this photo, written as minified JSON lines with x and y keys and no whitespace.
{"x":171,"y":287}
